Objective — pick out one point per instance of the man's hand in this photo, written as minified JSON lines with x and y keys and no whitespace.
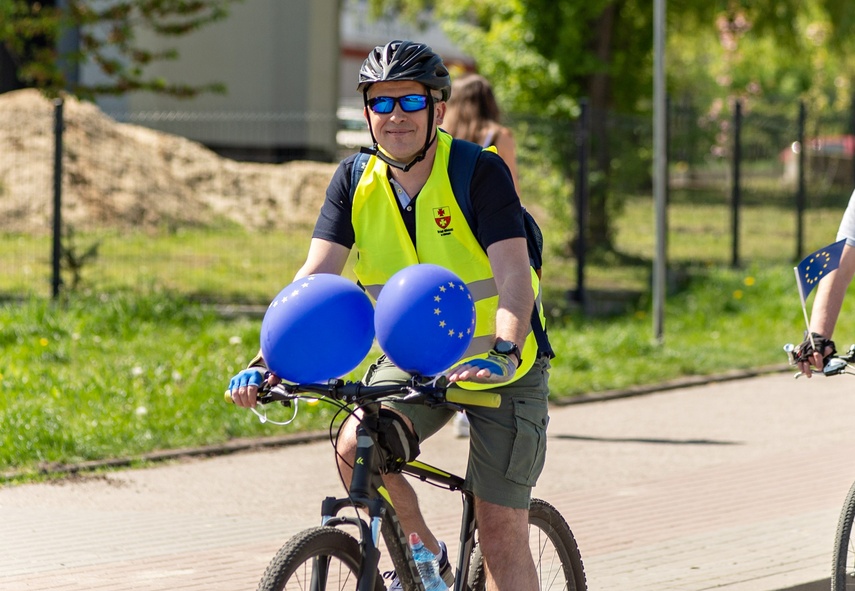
{"x":243,"y":388}
{"x":493,"y":369}
{"x":807,"y":356}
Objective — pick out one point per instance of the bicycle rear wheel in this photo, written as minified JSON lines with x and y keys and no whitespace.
{"x":317,"y":559}
{"x":553,"y":548}
{"x":843,"y":563}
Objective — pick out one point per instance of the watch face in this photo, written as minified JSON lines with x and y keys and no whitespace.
{"x":506,"y":347}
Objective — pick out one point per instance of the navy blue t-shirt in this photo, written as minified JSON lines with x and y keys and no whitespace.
{"x":496,"y":206}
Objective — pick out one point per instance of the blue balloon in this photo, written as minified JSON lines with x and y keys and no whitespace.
{"x":424,"y":319}
{"x":318,"y":327}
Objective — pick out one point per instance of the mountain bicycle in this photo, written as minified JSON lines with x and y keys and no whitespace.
{"x":325,"y":557}
{"x":843,"y":559}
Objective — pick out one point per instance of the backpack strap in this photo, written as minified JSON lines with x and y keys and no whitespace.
{"x":544,"y":348}
{"x":359,"y":164}
{"x":461,"y":166}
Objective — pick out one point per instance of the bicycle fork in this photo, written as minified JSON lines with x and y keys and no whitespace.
{"x":360,"y":497}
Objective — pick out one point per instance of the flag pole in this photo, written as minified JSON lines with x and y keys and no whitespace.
{"x":804,"y":308}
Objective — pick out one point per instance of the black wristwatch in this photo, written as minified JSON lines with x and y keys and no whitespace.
{"x":508,"y":348}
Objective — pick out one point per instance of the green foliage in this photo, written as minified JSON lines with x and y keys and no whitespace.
{"x":545,"y":55}
{"x":107,"y":32}
{"x":499,"y":36}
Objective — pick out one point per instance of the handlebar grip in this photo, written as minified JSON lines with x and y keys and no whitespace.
{"x":474,"y":397}
{"x":227,"y":396}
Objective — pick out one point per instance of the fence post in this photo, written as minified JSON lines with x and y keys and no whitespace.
{"x":736,"y":196}
{"x":582,"y":131}
{"x":56,"y":280}
{"x":801,"y":197}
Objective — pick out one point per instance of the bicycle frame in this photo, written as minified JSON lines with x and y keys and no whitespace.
{"x":309,"y":552}
{"x":368,"y":493}
{"x":428,"y":473}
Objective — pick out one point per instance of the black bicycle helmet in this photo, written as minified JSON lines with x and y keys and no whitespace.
{"x":405,"y":60}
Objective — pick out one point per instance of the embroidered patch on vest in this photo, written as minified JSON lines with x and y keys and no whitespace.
{"x":442,"y":217}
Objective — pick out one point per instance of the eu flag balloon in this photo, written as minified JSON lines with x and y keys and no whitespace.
{"x":424,"y":319}
{"x":318,"y":327}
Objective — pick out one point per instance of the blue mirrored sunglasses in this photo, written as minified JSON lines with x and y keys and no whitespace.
{"x":410,"y":103}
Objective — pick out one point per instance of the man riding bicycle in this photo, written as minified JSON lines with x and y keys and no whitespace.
{"x":390,"y":216}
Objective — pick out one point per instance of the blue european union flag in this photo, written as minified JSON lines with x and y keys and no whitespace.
{"x":817,"y":265}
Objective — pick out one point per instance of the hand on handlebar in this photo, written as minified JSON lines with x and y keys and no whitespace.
{"x":493,"y":369}
{"x":808,"y":357}
{"x":243,"y":388}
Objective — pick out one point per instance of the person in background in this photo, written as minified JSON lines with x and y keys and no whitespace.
{"x":829,"y":300}
{"x":473,"y":115}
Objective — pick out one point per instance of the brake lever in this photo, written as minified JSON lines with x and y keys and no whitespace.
{"x":835,"y":366}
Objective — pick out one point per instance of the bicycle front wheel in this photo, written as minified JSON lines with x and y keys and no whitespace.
{"x":317,"y":559}
{"x":553,"y":548}
{"x":843,"y":563}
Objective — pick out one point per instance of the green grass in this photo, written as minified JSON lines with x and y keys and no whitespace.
{"x":119,"y":375}
{"x":135,"y":363}
{"x":123,"y":374}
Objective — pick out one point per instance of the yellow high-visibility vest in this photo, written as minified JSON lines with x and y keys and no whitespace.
{"x":443,"y":237}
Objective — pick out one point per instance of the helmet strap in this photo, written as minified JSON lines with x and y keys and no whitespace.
{"x":429,"y":139}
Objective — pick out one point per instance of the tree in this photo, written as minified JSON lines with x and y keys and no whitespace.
{"x":602,"y":50}
{"x":30,"y":32}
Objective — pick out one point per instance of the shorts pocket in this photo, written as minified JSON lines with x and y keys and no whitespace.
{"x":529,"y":451}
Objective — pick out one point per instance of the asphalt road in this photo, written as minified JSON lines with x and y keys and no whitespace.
{"x":733,"y":485}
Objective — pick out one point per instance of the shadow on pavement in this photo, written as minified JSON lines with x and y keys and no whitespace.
{"x":823,"y":585}
{"x":645,"y":440}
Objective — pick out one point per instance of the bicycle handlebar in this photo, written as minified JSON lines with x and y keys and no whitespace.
{"x":432,"y":393}
{"x":834,"y":365}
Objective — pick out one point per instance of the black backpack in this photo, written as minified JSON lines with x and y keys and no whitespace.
{"x":461,"y":166}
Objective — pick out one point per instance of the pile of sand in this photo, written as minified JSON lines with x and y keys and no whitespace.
{"x":126,"y":176}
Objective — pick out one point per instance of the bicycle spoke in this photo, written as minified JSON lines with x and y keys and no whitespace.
{"x":850,"y":565}
{"x":547,"y":562}
{"x":322,"y":574}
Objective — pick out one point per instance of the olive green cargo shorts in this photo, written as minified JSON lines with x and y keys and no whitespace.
{"x":507,"y":445}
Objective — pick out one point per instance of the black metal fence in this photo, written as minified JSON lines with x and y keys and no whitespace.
{"x":739,"y":153}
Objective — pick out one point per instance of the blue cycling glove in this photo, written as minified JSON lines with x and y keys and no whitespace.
{"x":247,"y":377}
{"x":502,"y":368}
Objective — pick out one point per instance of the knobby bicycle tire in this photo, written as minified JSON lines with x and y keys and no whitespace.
{"x":392,"y":532}
{"x":321,"y":552}
{"x":554,"y":550}
{"x":843,"y":563}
